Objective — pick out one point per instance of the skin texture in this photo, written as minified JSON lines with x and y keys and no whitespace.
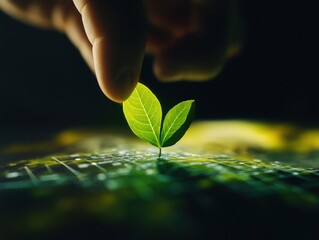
{"x":190,"y":39}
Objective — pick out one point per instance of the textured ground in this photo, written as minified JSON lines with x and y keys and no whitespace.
{"x":226,"y":178}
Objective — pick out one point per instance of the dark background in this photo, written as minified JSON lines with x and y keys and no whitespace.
{"x":44,"y":81}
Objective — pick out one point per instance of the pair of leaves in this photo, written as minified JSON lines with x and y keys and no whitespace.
{"x":143,"y":113}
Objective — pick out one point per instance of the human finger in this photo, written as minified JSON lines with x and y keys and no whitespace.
{"x":116,"y":30}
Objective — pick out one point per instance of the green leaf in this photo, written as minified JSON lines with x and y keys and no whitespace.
{"x":143,"y":113}
{"x":176,"y":122}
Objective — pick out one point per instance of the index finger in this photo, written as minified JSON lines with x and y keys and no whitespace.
{"x":117,"y":32}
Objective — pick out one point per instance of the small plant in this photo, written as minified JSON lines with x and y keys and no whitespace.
{"x":143,"y":113}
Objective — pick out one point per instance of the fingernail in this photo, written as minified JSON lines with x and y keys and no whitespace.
{"x":125,"y":83}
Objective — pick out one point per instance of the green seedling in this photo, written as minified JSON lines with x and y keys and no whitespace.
{"x":143,"y":113}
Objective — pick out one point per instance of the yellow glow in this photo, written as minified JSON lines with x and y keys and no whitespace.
{"x":237,"y":133}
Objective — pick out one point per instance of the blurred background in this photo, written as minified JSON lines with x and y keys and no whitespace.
{"x":45,"y":82}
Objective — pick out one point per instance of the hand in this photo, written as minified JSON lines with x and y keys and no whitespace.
{"x":190,"y":39}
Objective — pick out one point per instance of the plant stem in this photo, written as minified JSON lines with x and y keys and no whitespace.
{"x":160,"y":153}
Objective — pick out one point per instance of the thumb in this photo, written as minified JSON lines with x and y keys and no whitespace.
{"x":117,"y":32}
